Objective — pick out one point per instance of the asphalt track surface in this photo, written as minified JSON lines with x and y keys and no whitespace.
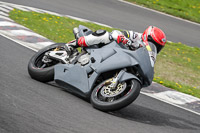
{"x":30,"y":106}
{"x":120,"y":15}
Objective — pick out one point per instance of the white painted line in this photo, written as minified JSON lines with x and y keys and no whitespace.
{"x":52,"y":13}
{"x":176,"y":97}
{"x":4,"y":10}
{"x":15,"y":33}
{"x":18,"y":42}
{"x":6,"y":23}
{"x":31,"y":46}
{"x":44,"y":43}
{"x":7,"y":7}
{"x":102,"y":24}
{"x":6,"y":32}
{"x":158,"y":12}
{"x":24,"y":33}
{"x":150,"y":95}
{"x":3,"y":17}
{"x":4,"y":14}
{"x":19,"y":7}
{"x":76,"y":18}
{"x":33,"y":9}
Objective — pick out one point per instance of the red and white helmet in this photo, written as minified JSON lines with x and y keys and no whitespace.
{"x":156,"y":36}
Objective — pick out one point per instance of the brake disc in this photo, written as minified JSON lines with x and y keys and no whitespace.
{"x":107,"y":91}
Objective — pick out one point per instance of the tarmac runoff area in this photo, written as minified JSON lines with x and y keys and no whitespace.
{"x":34,"y":41}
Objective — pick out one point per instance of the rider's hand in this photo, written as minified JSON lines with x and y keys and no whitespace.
{"x":120,"y":38}
{"x":127,"y":42}
{"x":123,"y":39}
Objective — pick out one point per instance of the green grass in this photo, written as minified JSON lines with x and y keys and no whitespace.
{"x":187,"y":9}
{"x":177,"y":66}
{"x":58,"y":29}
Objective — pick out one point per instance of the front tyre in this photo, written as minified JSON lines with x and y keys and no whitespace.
{"x":39,"y":70}
{"x":106,"y":99}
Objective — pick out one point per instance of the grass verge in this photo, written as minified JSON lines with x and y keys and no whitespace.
{"x":58,"y":29}
{"x":177,"y":66}
{"x":187,"y":9}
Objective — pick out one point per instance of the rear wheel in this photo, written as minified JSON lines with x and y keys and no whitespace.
{"x":106,"y":99}
{"x":40,"y":70}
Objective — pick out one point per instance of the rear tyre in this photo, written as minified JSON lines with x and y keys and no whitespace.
{"x":105,"y":100}
{"x":40,"y":71}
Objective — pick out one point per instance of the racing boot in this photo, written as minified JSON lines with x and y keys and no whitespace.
{"x":70,"y":47}
{"x":76,"y":33}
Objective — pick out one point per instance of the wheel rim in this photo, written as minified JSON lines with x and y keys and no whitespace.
{"x":105,"y":94}
{"x":40,"y":64}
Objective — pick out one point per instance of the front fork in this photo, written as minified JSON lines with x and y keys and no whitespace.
{"x":114,"y":82}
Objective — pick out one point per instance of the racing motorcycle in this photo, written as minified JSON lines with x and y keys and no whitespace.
{"x":110,"y":77}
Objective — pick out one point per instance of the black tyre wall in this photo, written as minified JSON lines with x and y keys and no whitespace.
{"x":45,"y":74}
{"x":118,"y":104}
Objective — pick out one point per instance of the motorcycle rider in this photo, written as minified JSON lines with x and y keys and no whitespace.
{"x":134,"y":40}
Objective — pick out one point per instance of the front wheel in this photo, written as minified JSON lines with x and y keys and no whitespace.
{"x":106,"y":99}
{"x":39,"y":70}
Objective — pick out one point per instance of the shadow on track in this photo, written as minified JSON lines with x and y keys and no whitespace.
{"x":147,"y":116}
{"x":152,"y":117}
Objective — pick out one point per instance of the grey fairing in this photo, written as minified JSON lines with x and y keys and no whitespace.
{"x":74,"y":78}
{"x":81,"y":79}
{"x":107,"y":58}
{"x":112,"y":57}
{"x":127,"y":76}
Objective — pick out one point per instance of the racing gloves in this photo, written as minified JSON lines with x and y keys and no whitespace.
{"x":120,"y":38}
{"x":123,"y":39}
{"x":133,"y":43}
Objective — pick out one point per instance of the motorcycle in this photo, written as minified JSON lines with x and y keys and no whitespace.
{"x":110,"y":77}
